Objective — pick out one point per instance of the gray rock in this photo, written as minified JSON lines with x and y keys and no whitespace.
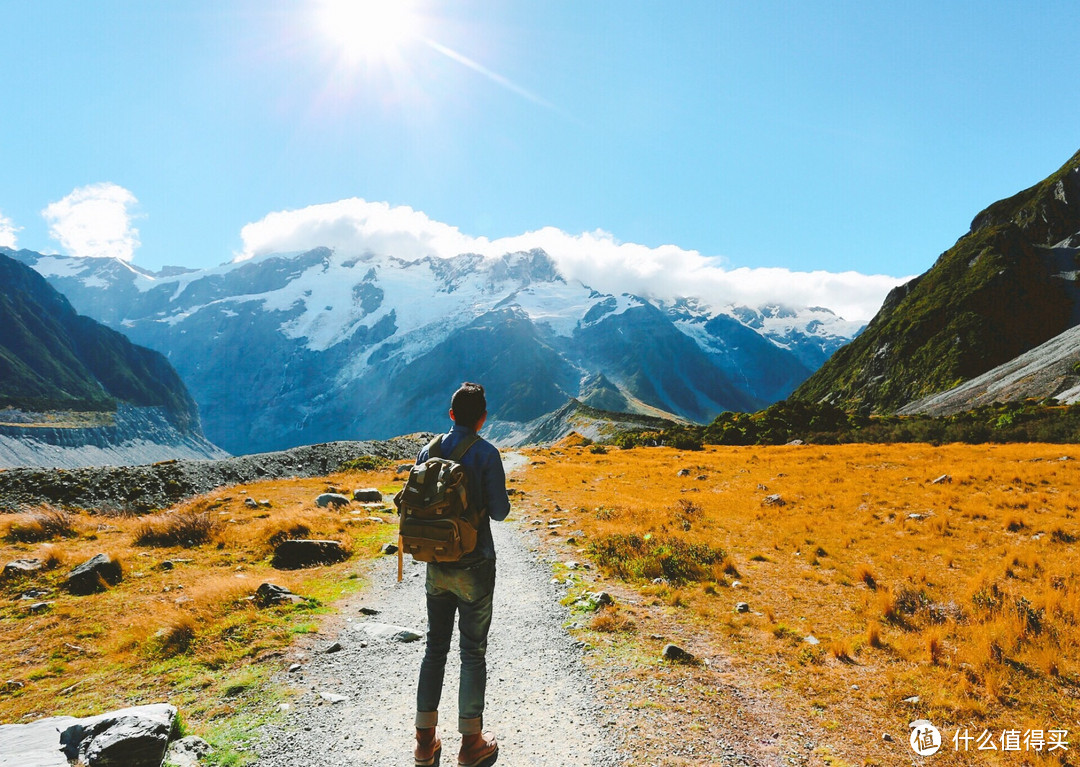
{"x":389,"y":632}
{"x":389,"y":548}
{"x":774,"y":500}
{"x":594,"y":600}
{"x":742,"y":607}
{"x":269,"y":594}
{"x":127,"y":738}
{"x":251,"y":503}
{"x":187,"y":752}
{"x":683,"y":472}
{"x":22,"y":567}
{"x":944,"y":478}
{"x":811,"y":639}
{"x":38,"y":744}
{"x":94,"y":575}
{"x":264,"y":503}
{"x":332,"y":499}
{"x":367,"y":495}
{"x":676,"y":654}
{"x":295,"y":554}
{"x":130,"y":741}
{"x":333,"y":697}
{"x":335,"y":647}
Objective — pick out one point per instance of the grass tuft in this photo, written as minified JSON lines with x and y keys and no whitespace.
{"x":44,"y":525}
{"x":866,"y":575}
{"x":179,"y":528}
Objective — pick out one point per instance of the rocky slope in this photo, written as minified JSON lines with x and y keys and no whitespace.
{"x":291,"y":349}
{"x":130,"y":436}
{"x":1051,"y":369}
{"x":1007,"y":286}
{"x":160,"y":485}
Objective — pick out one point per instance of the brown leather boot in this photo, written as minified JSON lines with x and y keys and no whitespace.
{"x":477,"y":749}
{"x":427,"y":746}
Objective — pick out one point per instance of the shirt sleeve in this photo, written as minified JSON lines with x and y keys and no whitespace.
{"x":494,"y":478}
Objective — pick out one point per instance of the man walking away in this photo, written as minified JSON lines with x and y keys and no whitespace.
{"x":464,"y":587}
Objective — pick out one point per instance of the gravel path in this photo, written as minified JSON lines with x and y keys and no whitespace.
{"x":540,"y":702}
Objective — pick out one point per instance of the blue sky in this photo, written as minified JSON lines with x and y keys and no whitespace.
{"x":826,"y":136}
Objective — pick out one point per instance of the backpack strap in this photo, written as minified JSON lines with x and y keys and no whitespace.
{"x":434,"y":448}
{"x":463,"y":447}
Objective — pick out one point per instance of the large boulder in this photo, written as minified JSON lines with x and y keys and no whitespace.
{"x":129,"y":741}
{"x":332,"y":499}
{"x":94,"y":575}
{"x":367,"y":495}
{"x":294,"y":554}
{"x":133,"y":737}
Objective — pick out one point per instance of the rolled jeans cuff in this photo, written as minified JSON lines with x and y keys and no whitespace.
{"x":472,"y":726}
{"x":426,"y":719}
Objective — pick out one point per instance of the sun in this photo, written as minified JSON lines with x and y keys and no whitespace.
{"x":368,"y":29}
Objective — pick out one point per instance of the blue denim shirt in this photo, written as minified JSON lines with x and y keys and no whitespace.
{"x":487,"y":481}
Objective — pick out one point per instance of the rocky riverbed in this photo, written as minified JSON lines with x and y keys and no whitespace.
{"x":141,"y":489}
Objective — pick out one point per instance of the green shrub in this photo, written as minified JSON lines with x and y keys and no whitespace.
{"x":644,"y":557}
{"x":365,"y":463}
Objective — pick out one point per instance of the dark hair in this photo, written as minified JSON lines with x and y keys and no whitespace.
{"x":469,"y":404}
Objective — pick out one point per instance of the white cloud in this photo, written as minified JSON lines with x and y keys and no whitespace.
{"x":595,"y":258}
{"x":7,"y":232}
{"x":95,"y":221}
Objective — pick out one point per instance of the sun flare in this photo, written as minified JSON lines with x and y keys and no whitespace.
{"x":368,"y":29}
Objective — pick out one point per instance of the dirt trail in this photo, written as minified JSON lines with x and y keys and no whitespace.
{"x":540,"y":700}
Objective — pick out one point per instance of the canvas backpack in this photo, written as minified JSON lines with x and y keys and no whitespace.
{"x":438,"y":520}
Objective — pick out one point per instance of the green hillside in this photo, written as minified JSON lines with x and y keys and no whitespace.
{"x":1002,"y":289}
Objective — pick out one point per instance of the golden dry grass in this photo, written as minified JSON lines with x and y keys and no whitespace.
{"x":965,"y":592}
{"x":181,"y":631}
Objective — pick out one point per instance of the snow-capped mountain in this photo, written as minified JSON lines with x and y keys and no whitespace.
{"x":291,"y":349}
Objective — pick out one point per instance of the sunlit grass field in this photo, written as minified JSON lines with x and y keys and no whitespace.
{"x":884,"y":584}
{"x":181,"y":626}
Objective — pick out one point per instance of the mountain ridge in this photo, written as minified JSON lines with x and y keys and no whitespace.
{"x":298,"y":348}
{"x":1008,"y":285}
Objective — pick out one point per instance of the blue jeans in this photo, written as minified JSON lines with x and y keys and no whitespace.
{"x":467,"y":591}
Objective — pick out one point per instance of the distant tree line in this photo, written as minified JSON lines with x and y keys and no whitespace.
{"x":825,"y":424}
